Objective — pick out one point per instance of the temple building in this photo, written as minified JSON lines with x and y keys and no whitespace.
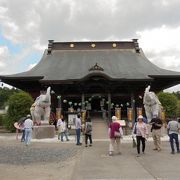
{"x":96,"y":76}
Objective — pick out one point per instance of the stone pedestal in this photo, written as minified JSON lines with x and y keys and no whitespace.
{"x":43,"y":131}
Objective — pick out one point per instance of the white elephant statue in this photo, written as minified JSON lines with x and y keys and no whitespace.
{"x":40,"y":109}
{"x":152,"y":104}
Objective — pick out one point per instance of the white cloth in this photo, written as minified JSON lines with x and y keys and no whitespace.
{"x":59,"y":122}
{"x":28,"y":124}
{"x":78,"y":123}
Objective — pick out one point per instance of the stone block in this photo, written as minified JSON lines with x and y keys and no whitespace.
{"x":43,"y":131}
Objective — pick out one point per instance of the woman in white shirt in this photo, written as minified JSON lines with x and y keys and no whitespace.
{"x":62,"y":129}
{"x":141,"y":131}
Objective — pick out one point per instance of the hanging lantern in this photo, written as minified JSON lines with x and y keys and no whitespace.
{"x":90,"y":99}
{"x":70,"y":103}
{"x":107,"y":102}
{"x":127,"y":104}
{"x":64,"y":101}
{"x":121,"y":105}
{"x":79,"y":104}
{"x":75,"y":104}
{"x":58,"y":97}
{"x":117,"y":105}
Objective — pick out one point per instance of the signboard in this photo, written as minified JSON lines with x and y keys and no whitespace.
{"x":122,"y":122}
{"x":71,"y":119}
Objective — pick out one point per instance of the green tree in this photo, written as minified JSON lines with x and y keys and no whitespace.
{"x":19,"y":105}
{"x":177,"y":94}
{"x":178,"y":109}
{"x":5,"y":93}
{"x":169,"y":102}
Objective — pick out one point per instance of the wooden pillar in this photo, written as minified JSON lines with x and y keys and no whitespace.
{"x":133,"y":106}
{"x":82,"y":102}
{"x":59,"y":109}
{"x":109,"y":106}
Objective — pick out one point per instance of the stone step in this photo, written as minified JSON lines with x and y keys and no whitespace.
{"x":100,"y":128}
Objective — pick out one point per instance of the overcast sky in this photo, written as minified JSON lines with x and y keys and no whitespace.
{"x":27,"y":25}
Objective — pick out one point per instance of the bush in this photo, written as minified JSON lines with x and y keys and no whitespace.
{"x":1,"y":120}
{"x":19,"y":105}
{"x":169,"y":102}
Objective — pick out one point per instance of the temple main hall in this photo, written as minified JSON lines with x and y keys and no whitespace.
{"x":94,"y":76}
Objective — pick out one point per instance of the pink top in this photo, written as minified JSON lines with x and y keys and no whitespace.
{"x":114,"y":126}
{"x":141,"y":129}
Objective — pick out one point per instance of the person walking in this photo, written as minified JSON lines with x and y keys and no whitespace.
{"x":78,"y":129}
{"x":59,"y":126}
{"x":140,"y":130}
{"x":173,"y":130}
{"x":63,"y":130}
{"x":156,"y":132}
{"x":28,"y":125}
{"x":21,"y":125}
{"x":114,"y":135}
{"x":88,"y":132}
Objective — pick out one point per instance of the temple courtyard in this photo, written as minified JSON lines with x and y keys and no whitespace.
{"x":50,"y":159}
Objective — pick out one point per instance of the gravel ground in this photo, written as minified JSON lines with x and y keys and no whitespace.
{"x":19,"y":154}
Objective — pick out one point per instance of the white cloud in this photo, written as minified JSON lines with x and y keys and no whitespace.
{"x":10,"y":63}
{"x":4,"y":54}
{"x":162,"y":46}
{"x":32,"y":23}
{"x":173,"y":89}
{"x":31,"y":66}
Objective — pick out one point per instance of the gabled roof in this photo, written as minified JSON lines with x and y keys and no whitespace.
{"x":75,"y":61}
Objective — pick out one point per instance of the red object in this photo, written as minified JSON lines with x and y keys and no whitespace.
{"x":114,"y":126}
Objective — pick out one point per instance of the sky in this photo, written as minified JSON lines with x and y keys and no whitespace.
{"x":26,"y":27}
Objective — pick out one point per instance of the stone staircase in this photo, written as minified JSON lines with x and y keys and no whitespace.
{"x":100,"y":128}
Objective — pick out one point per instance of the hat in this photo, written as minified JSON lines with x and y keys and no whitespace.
{"x":140,"y":117}
{"x":28,"y":116}
{"x":114,"y":118}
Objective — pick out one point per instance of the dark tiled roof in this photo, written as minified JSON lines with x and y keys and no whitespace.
{"x":74,"y":63}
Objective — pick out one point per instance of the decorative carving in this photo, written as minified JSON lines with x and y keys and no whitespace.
{"x":71,"y":45}
{"x":96,"y":67}
{"x":93,"y":45}
{"x":114,"y":45}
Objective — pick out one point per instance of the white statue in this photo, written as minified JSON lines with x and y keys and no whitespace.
{"x":152,"y":104}
{"x":40,"y":109}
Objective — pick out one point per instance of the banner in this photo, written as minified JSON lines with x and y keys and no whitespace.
{"x":118,"y":113}
{"x":139,"y":111}
{"x":58,"y":113}
{"x":130,"y":114}
{"x":83,"y":115}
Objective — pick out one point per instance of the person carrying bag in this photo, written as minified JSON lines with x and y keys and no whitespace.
{"x":115,"y":133}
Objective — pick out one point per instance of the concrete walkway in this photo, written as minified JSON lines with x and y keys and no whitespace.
{"x":94,"y":163}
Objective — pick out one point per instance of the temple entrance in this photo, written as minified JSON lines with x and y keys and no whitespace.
{"x":95,"y":104}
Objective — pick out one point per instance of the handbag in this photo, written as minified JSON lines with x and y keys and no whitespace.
{"x":134,"y":143}
{"x":117,"y":134}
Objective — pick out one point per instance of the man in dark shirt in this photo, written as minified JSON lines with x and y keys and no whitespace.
{"x":156,"y":132}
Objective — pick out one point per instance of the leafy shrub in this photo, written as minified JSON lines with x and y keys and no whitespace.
{"x":1,"y":120}
{"x":169,"y":102}
{"x":19,"y":105}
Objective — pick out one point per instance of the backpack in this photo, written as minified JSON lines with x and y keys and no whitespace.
{"x":88,"y":128}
